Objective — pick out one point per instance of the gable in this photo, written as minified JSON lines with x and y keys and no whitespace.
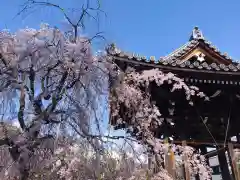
{"x":204,"y":55}
{"x":199,"y":49}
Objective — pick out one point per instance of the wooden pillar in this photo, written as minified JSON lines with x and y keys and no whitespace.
{"x":224,"y":165}
{"x":170,"y":163}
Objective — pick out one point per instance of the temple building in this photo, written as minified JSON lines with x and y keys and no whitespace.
{"x":208,"y":123}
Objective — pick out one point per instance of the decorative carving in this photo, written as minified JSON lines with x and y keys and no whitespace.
{"x":196,"y":34}
{"x":152,"y":58}
{"x":200,"y":56}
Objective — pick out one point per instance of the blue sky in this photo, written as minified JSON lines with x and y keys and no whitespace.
{"x":153,"y":27}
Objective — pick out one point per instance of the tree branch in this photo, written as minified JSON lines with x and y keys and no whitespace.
{"x":21,"y":109}
{"x":32,"y":81}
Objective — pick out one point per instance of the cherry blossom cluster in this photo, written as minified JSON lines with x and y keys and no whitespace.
{"x":132,"y":108}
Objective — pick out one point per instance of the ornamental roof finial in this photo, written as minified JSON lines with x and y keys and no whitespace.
{"x":196,"y":34}
{"x":112,"y":49}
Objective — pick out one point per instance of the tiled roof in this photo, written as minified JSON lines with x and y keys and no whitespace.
{"x":179,"y":63}
{"x":173,"y":59}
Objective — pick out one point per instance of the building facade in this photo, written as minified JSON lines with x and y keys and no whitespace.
{"x":209,"y":124}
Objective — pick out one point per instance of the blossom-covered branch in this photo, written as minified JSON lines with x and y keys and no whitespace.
{"x":132,"y":107}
